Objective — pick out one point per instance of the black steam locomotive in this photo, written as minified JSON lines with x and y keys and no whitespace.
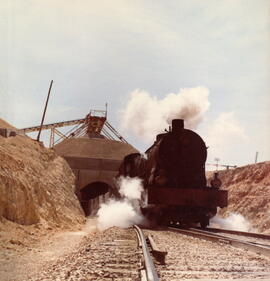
{"x":173,"y":174}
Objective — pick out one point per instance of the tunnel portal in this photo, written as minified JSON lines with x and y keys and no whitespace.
{"x":92,"y":194}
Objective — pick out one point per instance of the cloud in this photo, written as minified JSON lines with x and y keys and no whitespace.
{"x":145,"y":115}
{"x":223,"y":133}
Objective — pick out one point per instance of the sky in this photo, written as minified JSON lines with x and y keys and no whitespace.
{"x":115,"y":51}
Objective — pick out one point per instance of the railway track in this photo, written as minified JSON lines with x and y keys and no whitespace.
{"x":124,"y":254}
{"x":148,"y":272}
{"x":240,"y":233}
{"x":191,"y":257}
{"x":115,"y":254}
{"x":254,"y":242}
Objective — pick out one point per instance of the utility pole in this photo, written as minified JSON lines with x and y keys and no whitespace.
{"x":44,"y":112}
{"x":106,"y":106}
{"x":217,"y":160}
{"x":256,"y":156}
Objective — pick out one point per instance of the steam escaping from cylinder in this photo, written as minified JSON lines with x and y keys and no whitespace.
{"x":123,"y":212}
{"x":145,"y":115}
{"x":130,"y":188}
{"x":232,"y":222}
{"x":119,"y":213}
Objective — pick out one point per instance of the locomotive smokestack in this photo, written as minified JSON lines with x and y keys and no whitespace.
{"x":177,"y":125}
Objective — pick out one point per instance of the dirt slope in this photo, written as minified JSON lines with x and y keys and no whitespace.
{"x":6,"y":125}
{"x":36,"y":192}
{"x":249,"y":193}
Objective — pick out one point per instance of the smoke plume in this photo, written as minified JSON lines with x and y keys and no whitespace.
{"x":232,"y":222}
{"x":123,"y":212}
{"x":145,"y":115}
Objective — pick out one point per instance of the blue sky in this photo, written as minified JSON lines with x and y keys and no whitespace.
{"x":101,"y":51}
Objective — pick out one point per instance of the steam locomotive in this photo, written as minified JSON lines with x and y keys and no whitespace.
{"x":173,"y":175}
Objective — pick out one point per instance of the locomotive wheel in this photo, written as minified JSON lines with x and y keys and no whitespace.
{"x":151,"y":217}
{"x":204,"y":222}
{"x":155,"y":216}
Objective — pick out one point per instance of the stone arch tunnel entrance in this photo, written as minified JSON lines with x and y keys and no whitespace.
{"x":92,"y":194}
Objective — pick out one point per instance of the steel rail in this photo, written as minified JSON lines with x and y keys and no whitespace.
{"x":151,"y":273}
{"x":248,"y":234}
{"x":224,"y":236}
{"x":259,"y":249}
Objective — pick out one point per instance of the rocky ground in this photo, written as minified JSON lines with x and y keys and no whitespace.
{"x":78,"y":255}
{"x":249,"y":194}
{"x":113,"y":255}
{"x":108,"y":255}
{"x":20,"y":262}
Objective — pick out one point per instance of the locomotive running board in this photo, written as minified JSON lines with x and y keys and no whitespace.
{"x":195,"y":197}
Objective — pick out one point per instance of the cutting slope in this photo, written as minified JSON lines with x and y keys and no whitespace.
{"x":36,"y":185}
{"x":249,"y":193}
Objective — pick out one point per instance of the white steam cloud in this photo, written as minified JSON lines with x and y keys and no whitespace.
{"x":225,"y":132}
{"x":130,"y":188}
{"x":232,"y":222}
{"x":117,"y":213}
{"x":146,"y":115}
{"x":124,"y":212}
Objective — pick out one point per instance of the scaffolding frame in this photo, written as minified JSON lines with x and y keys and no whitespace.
{"x":94,"y":124}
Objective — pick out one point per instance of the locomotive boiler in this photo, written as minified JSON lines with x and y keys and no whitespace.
{"x":173,"y":175}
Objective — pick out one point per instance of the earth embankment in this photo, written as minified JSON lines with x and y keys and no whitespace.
{"x":249,"y":193}
{"x":37,"y":192}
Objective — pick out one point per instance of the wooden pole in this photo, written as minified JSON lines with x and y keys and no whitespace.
{"x":44,"y":112}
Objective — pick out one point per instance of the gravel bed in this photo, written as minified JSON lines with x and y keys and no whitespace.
{"x":193,"y":258}
{"x":109,"y":255}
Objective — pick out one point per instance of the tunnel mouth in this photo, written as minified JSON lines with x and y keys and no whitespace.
{"x":92,"y":191}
